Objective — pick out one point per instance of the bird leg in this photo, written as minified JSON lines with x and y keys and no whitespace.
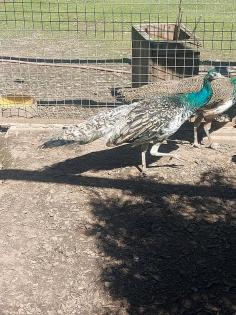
{"x":234,"y":121}
{"x":207,"y":127}
{"x":196,"y":125}
{"x":154,"y":152}
{"x":144,"y":148}
{"x":196,"y":144}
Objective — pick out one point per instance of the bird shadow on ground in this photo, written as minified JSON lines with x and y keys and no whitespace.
{"x":185,"y":133}
{"x":107,"y":159}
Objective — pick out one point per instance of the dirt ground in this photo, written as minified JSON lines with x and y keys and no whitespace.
{"x":63,"y":92}
{"x":83,"y":233}
{"x":66,"y":78}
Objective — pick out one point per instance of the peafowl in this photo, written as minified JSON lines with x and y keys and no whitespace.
{"x":211,"y":111}
{"x":224,"y":94}
{"x":151,"y":120}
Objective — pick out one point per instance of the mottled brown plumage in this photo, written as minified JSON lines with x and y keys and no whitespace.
{"x":221,"y":89}
{"x":151,"y":120}
{"x":222,"y":92}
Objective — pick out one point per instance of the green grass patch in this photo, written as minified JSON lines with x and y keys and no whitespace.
{"x":110,"y":22}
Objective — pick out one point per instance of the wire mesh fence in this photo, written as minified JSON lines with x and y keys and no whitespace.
{"x":73,"y":57}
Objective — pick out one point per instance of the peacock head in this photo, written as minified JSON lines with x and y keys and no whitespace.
{"x":212,"y":74}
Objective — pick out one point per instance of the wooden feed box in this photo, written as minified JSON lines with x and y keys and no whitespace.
{"x":157,"y":55}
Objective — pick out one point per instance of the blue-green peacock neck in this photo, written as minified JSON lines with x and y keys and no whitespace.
{"x":233,"y":82}
{"x":196,"y":100}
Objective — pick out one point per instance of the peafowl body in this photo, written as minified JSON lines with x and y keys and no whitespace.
{"x":151,"y":120}
{"x":212,"y":110}
{"x":224,"y":94}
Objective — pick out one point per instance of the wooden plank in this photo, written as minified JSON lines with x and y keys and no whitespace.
{"x":65,"y":65}
{"x":140,"y":59}
{"x":155,"y":59}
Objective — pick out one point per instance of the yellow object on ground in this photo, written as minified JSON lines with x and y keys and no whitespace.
{"x":16,"y":100}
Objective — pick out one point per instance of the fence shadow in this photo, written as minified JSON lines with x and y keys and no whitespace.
{"x":169,"y":248}
{"x":169,"y":253}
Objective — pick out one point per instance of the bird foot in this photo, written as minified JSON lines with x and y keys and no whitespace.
{"x":213,"y":146}
{"x":196,"y":145}
{"x":143,"y":174}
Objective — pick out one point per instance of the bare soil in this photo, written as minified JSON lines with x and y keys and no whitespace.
{"x":64,"y":91}
{"x":83,"y":233}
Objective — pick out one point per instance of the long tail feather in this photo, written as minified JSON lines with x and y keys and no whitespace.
{"x":92,"y":129}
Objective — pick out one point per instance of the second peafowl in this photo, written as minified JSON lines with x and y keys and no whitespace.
{"x":224,"y":98}
{"x":150,"y":121}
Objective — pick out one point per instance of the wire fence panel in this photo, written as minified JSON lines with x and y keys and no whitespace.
{"x":74,"y":57}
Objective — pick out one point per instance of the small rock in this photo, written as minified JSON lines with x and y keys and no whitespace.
{"x":108,"y":284}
